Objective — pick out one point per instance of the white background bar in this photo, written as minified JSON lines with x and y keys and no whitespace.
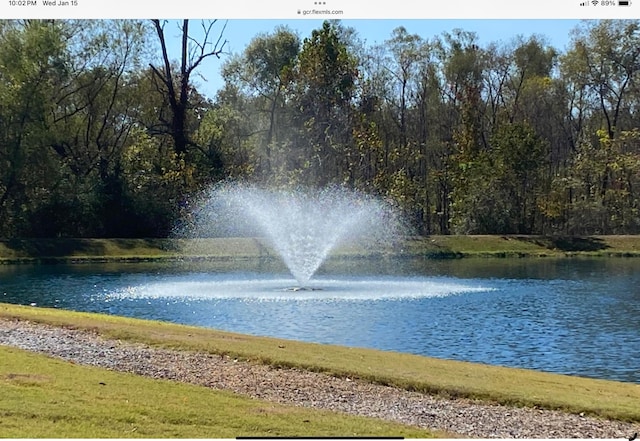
{"x":322,"y":9}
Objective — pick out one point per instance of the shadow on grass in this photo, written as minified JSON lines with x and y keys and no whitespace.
{"x":567,"y":243}
{"x":57,"y":248}
{"x":54,"y":247}
{"x":159,"y":244}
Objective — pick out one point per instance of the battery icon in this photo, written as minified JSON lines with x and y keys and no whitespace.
{"x":624,"y":2}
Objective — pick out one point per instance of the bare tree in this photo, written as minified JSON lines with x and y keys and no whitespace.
{"x":175,"y":86}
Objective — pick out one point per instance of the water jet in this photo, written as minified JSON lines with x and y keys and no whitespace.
{"x":303,"y":225}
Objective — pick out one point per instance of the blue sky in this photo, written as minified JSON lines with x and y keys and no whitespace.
{"x":239,"y":33}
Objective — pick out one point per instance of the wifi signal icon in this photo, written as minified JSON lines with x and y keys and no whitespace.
{"x":594,"y":2}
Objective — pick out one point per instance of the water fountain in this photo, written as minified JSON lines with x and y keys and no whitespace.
{"x":303,"y":225}
{"x":366,"y":301}
{"x":542,"y":322}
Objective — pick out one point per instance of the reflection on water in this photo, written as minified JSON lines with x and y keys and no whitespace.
{"x":573,"y":316}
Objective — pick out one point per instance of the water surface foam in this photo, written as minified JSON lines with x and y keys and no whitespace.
{"x":277,"y":288}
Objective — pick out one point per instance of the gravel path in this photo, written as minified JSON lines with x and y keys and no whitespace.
{"x":301,"y":388}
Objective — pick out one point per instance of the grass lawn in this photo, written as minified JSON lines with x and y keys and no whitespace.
{"x":47,"y":398}
{"x":517,"y":387}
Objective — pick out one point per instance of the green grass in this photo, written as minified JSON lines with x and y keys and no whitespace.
{"x":98,"y":250}
{"x":101,"y":250}
{"x":523,"y":246}
{"x":47,"y":398}
{"x":518,"y":387}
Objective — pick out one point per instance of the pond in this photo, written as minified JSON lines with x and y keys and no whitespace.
{"x":571,"y":316}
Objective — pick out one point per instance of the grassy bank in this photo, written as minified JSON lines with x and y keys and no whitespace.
{"x":517,"y":387}
{"x":101,"y":250}
{"x":522,"y":246}
{"x":105,"y":250}
{"x":47,"y":398}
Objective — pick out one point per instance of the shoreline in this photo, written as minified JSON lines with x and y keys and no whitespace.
{"x":78,"y":251}
{"x":464,"y":417}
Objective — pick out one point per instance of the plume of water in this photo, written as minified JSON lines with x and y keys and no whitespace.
{"x":303,"y":225}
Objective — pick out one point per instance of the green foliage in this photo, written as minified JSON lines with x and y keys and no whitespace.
{"x":30,"y":61}
{"x":497,"y":191}
{"x":599,"y":193}
{"x":103,"y":134}
{"x":324,"y":85}
{"x":264,"y":74}
{"x":603,"y":64}
{"x":266,"y":64}
{"x":148,"y":169}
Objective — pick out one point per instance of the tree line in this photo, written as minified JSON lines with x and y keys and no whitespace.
{"x":104,"y":133}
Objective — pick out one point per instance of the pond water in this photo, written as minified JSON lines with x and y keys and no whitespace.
{"x":571,"y":316}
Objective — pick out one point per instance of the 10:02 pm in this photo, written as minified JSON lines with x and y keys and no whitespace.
{"x":23,"y":3}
